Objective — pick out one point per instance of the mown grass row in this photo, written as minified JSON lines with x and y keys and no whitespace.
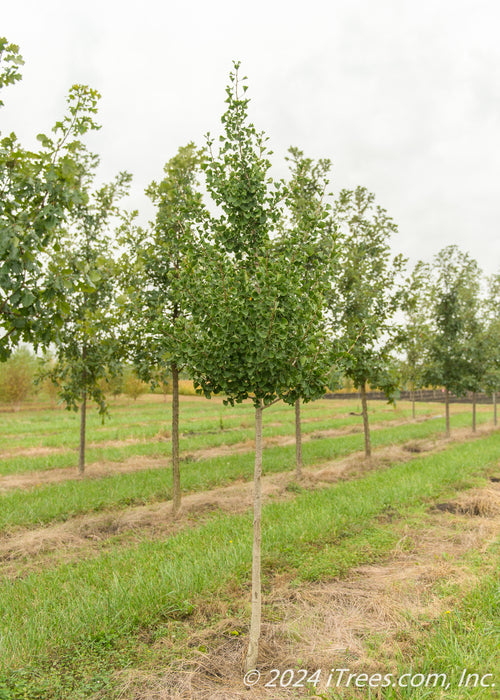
{"x":163,"y":448}
{"x":52,"y":421}
{"x":87,"y":612}
{"x":141,"y":414}
{"x":198,"y":433}
{"x":60,"y":501}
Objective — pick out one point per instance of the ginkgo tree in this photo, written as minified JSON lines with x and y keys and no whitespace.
{"x":88,"y":345}
{"x":39,"y":188}
{"x":451,"y":358}
{"x":365,"y":294}
{"x":309,"y":217}
{"x":415,"y":331}
{"x":491,"y":343}
{"x":255,"y":325}
{"x":153,"y":278}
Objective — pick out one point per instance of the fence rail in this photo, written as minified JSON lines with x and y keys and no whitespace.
{"x":419,"y":395}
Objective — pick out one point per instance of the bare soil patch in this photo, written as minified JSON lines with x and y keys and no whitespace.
{"x":331,"y":624}
{"x":35,"y":451}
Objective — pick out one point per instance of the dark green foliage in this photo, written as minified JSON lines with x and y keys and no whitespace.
{"x":491,"y":321}
{"x":88,"y":347}
{"x":17,"y":375}
{"x":38,"y":189}
{"x":365,"y":292}
{"x":152,"y":267}
{"x":255,"y":328}
{"x":415,"y":332}
{"x":454,"y":357}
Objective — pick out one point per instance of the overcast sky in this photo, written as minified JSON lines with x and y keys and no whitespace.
{"x":402,"y":96}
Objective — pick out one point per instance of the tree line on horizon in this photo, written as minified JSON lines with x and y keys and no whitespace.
{"x":255,"y":288}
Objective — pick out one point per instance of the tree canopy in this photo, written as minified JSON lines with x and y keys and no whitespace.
{"x":39,"y":187}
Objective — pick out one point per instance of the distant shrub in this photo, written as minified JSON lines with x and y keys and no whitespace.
{"x":47,"y":386}
{"x":17,"y":377}
{"x":113,"y":385}
{"x":186,"y":387}
{"x":132,"y":385}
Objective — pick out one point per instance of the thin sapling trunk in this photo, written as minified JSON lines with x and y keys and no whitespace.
{"x":298,"y":441}
{"x":176,"y":475}
{"x":253,"y":643}
{"x":83,"y":414}
{"x":473,"y":411}
{"x":83,"y":421}
{"x":447,"y":411}
{"x":366,"y":426}
{"x":494,"y":408}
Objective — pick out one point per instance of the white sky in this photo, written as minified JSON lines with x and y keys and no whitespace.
{"x":402,"y":96}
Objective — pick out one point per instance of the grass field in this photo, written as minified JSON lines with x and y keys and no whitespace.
{"x":382,"y":567}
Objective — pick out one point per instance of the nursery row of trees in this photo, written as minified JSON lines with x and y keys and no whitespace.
{"x":258,"y":288}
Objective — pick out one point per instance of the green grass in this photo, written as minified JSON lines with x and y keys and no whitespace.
{"x":467,"y":638}
{"x":87,"y":612}
{"x":60,"y":501}
{"x":200,"y":429}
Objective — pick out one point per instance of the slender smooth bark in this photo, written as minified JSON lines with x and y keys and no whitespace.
{"x":176,"y":474}
{"x":366,"y":426}
{"x":494,"y":408}
{"x":298,"y":441}
{"x":83,"y":415}
{"x":473,"y":411}
{"x":447,"y":411}
{"x":253,"y":643}
{"x":83,"y":421}
{"x":413,"y":403}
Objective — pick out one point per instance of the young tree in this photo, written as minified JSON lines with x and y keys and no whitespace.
{"x":365,"y":295}
{"x":17,"y":376}
{"x":491,"y":357}
{"x":415,"y":331}
{"x":155,"y":284}
{"x":88,"y":348}
{"x":132,"y":385}
{"x":454,"y":321}
{"x":38,"y":189}
{"x":255,"y":324}
{"x":309,"y":219}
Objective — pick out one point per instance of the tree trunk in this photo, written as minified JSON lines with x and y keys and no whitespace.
{"x":83,"y":421}
{"x":368,"y":449}
{"x":413,"y":404}
{"x":253,"y":643}
{"x":447,"y":411}
{"x":83,"y":414}
{"x":298,"y":441}
{"x":494,"y":408}
{"x":176,"y":474}
{"x":473,"y":411}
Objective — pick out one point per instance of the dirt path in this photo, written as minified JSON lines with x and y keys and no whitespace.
{"x":87,"y":534}
{"x":96,"y":470}
{"x":334,"y":624}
